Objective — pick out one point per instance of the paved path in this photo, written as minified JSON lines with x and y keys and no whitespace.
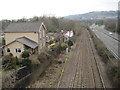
{"x":81,"y":70}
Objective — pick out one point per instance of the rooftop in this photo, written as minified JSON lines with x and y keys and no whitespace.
{"x":24,"y":27}
{"x":27,"y":42}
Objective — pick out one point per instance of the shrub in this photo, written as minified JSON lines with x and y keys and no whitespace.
{"x":56,"y":49}
{"x":26,"y":62}
{"x":17,"y":60}
{"x":70,"y":43}
{"x":11,"y":54}
{"x":103,"y":55}
{"x":101,"y":49}
{"x":25,"y":54}
{"x":9,"y":62}
{"x":44,"y":57}
{"x":63,"y":46}
{"x":3,"y":41}
{"x":114,"y":75}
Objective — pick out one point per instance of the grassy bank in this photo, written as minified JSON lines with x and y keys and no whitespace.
{"x":112,"y":67}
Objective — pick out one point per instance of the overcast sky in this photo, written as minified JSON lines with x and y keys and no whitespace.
{"x":15,"y":9}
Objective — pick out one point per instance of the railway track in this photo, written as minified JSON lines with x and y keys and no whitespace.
{"x":82,"y":71}
{"x":96,"y":63}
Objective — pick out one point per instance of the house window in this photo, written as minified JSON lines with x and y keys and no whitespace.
{"x":8,"y":49}
{"x":18,"y":50}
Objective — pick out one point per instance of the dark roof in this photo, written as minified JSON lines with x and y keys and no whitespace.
{"x":24,"y":27}
{"x":27,"y":42}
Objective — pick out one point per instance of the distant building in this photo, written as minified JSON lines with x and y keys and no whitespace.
{"x":64,"y":35}
{"x":68,"y":35}
{"x":25,"y":36}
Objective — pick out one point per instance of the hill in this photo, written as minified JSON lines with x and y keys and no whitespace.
{"x":94,"y":15}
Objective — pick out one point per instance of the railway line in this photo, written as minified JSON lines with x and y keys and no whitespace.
{"x":82,"y":70}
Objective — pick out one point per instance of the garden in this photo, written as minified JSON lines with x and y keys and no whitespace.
{"x":10,"y":62}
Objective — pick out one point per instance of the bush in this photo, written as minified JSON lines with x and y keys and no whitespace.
{"x":63,"y":46}
{"x":114,"y":75}
{"x":3,"y":41}
{"x":70,"y":43}
{"x":25,"y":62}
{"x":103,"y":55}
{"x":101,"y":49}
{"x":17,"y":60}
{"x":25,"y":54}
{"x":9,"y":62}
{"x":56,"y":49}
{"x":44,"y":57}
{"x":11,"y":54}
{"x":54,"y":53}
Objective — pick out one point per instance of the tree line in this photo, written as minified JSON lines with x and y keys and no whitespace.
{"x":53,"y":24}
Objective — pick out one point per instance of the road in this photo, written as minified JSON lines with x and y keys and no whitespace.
{"x":114,"y":35}
{"x":82,"y":70}
{"x":110,"y":41}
